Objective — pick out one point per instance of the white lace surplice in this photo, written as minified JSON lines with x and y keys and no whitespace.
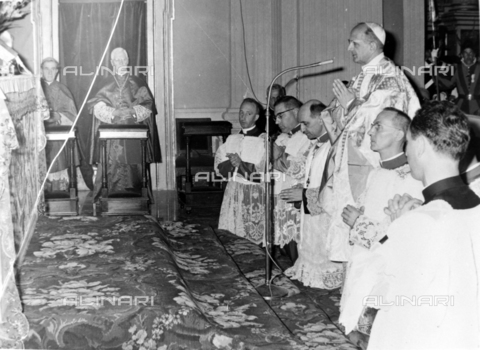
{"x":243,"y":206}
{"x":369,"y":228}
{"x":286,"y":216}
{"x":313,"y":268}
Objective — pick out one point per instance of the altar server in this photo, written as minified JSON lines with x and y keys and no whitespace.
{"x":428,"y":266}
{"x":241,"y":161}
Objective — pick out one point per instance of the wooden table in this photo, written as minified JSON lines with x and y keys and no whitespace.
{"x":191,"y":196}
{"x":118,"y":203}
{"x":63,"y":202}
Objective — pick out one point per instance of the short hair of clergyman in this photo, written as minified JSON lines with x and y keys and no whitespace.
{"x":255,"y":103}
{"x":316,"y":109}
{"x":279,"y":88}
{"x":444,"y":125}
{"x":399,"y":119}
{"x":49,"y":59}
{"x":469,"y":45}
{"x":290,"y":102}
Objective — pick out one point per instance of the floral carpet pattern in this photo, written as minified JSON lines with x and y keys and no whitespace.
{"x":128,"y":283}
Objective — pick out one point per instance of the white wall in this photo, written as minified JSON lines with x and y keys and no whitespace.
{"x":209,"y":68}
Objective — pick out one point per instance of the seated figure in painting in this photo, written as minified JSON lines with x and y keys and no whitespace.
{"x":123,"y":99}
{"x":62,"y":112}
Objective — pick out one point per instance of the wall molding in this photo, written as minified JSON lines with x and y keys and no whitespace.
{"x":212,"y":113}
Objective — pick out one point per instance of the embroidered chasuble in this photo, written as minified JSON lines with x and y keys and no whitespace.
{"x":243,"y":205}
{"x":393,"y":177}
{"x":380,"y":85}
{"x":313,"y":268}
{"x":289,"y":171}
{"x":124,"y":156}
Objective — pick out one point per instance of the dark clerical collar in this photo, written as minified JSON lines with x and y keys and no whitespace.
{"x":452,"y":190}
{"x":323,"y":138}
{"x":471,"y":175}
{"x":394,"y":163}
{"x":295,"y":129}
{"x":251,"y":132}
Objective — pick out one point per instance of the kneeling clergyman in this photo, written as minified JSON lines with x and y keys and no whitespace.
{"x":241,"y":160}
{"x":427,"y":266}
{"x":290,"y":152}
{"x":313,"y":268}
{"x":368,"y":220}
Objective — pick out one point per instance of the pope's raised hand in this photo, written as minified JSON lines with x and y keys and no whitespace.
{"x":343,"y":95}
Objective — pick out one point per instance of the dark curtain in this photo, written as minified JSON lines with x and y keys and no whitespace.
{"x":84,"y":32}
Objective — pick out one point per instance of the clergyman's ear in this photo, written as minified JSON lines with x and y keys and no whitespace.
{"x":257,"y":116}
{"x":421,"y":145}
{"x":401,"y":136}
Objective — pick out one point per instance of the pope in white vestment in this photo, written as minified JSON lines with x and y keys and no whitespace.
{"x":379,"y":85}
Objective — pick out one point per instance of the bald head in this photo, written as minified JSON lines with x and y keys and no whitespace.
{"x":118,"y":53}
{"x":309,"y":117}
{"x":119,"y":60}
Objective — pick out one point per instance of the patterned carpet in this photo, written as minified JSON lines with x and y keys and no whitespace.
{"x":309,"y":314}
{"x":130,"y":283}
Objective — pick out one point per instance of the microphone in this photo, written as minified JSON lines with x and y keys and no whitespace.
{"x":268,"y":211}
{"x":317,"y":64}
{"x":311,"y":65}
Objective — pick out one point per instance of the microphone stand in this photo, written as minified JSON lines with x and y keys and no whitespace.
{"x":267,"y":292}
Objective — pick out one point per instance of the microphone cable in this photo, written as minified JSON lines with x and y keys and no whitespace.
{"x":245,"y":55}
